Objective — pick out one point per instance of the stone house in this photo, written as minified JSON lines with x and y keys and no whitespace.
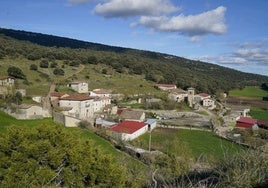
{"x":178,"y":95}
{"x":208,"y":103}
{"x":79,"y":86}
{"x":31,"y":111}
{"x":101,"y":93}
{"x":131,"y":115}
{"x":7,"y":85}
{"x":166,"y":87}
{"x":81,"y":105}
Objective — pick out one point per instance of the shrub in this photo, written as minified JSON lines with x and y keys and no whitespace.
{"x":53,"y":65}
{"x":58,"y":71}
{"x":33,"y":67}
{"x":15,"y":72}
{"x":44,"y":64}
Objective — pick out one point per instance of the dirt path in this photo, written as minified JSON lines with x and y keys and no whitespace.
{"x":46,"y":101}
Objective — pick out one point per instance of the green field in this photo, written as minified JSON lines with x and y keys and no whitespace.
{"x":261,"y":114}
{"x":199,"y":143}
{"x":249,"y":91}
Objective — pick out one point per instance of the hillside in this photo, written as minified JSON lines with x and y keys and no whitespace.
{"x":107,"y":65}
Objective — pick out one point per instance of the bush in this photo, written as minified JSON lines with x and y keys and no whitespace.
{"x":15,"y":72}
{"x":33,"y":67}
{"x":248,"y":169}
{"x":58,"y":71}
{"x":53,"y":65}
{"x":44,"y":64}
{"x":84,"y":124}
{"x":50,"y":156}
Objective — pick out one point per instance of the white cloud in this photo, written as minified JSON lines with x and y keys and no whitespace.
{"x":192,"y":25}
{"x":127,"y":8}
{"x":253,"y":55}
{"x":223,"y":59}
{"x":249,"y":55}
{"x":195,"y":39}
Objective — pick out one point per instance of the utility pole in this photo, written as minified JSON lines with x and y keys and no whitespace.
{"x":150,"y":139}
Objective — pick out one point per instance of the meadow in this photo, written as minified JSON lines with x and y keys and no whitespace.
{"x":249,"y":91}
{"x":38,"y":82}
{"x":261,"y":114}
{"x":194,"y":142}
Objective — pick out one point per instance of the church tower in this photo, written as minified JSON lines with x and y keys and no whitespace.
{"x":190,"y":92}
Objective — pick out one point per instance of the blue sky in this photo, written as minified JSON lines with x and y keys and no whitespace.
{"x":231,"y":33}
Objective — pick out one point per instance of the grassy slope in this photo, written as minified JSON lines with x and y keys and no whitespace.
{"x":249,"y":91}
{"x":253,"y":92}
{"x":200,"y":143}
{"x":261,"y":114}
{"x":119,"y":83}
{"x":6,"y":120}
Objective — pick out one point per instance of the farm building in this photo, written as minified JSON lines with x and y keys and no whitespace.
{"x":166,"y":87}
{"x":246,"y":122}
{"x":151,"y":124}
{"x":262,"y":124}
{"x":131,"y":115}
{"x":128,"y":130}
{"x":80,"y":87}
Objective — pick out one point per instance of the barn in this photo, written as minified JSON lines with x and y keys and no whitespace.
{"x":246,"y":122}
{"x":128,"y":130}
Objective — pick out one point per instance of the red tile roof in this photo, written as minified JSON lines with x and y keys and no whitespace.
{"x":166,"y":85}
{"x":101,"y":91}
{"x":204,"y":95}
{"x":178,"y":91}
{"x":4,"y":77}
{"x":247,"y":120}
{"x":128,"y":127}
{"x":57,"y":94}
{"x":262,"y":122}
{"x":77,"y":97}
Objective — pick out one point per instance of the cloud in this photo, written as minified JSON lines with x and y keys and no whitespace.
{"x":223,"y":59}
{"x":241,"y":56}
{"x":128,"y":8}
{"x":253,"y":55}
{"x":210,"y":22}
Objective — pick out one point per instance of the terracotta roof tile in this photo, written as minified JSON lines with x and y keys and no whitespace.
{"x":77,"y":97}
{"x":247,"y":120}
{"x":128,"y":127}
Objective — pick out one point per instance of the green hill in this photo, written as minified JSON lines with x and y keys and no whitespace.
{"x":122,"y":69}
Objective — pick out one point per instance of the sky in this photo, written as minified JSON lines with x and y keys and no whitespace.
{"x":230,"y":33}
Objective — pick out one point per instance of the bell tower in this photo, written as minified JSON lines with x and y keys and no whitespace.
{"x":190,"y":92}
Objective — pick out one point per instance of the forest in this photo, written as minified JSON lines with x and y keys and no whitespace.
{"x":156,"y":67}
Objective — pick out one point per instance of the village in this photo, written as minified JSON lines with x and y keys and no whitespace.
{"x":95,"y":107}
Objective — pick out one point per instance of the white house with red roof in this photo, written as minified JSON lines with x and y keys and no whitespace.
{"x":79,"y":86}
{"x":201,"y":96}
{"x":178,"y":95}
{"x":166,"y":87}
{"x":57,"y":95}
{"x":81,"y":105}
{"x":128,"y":130}
{"x":101,"y":93}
